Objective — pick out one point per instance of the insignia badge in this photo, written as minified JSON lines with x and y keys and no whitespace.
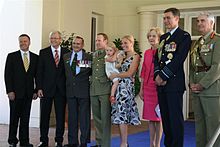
{"x":170,"y":56}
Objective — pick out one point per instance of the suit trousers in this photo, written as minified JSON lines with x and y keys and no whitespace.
{"x":207,"y":118}
{"x":171,"y":104}
{"x":79,"y":113}
{"x":46,"y":106}
{"x":19,"y":114}
{"x":101,"y":110}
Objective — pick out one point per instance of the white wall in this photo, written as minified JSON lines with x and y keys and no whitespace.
{"x":17,"y":17}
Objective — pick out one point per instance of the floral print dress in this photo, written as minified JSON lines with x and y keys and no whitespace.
{"x":124,"y":110}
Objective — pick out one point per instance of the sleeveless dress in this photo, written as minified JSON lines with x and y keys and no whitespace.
{"x":124,"y":110}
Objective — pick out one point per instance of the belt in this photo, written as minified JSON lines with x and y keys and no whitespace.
{"x":202,"y":68}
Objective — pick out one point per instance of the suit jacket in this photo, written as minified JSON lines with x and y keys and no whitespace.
{"x":49,"y":77}
{"x":170,"y":67}
{"x":100,"y":84}
{"x":16,"y":78}
{"x":209,"y":52}
{"x":147,"y":65}
{"x":78,"y":85}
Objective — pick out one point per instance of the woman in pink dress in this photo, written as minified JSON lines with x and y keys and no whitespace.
{"x":148,"y":92}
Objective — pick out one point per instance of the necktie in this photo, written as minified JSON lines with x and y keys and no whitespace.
{"x":74,"y":62}
{"x":56,"y":57}
{"x":25,"y":62}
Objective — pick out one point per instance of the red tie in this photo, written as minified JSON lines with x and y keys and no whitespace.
{"x":56,"y":58}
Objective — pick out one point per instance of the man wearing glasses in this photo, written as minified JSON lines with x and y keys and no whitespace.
{"x":51,"y":88}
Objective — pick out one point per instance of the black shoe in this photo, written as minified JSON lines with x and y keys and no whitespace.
{"x":70,"y":145}
{"x":42,"y":144}
{"x":83,"y":145}
{"x":12,"y":144}
{"x":26,"y":145}
{"x":96,"y":146}
{"x":58,"y":144}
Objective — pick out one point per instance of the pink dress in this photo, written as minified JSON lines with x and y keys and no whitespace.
{"x":149,"y":87}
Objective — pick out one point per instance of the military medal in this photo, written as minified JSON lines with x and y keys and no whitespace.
{"x":170,"y":56}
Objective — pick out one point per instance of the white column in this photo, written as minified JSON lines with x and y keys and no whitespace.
{"x":147,"y":20}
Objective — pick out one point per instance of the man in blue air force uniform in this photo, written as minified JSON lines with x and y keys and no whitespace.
{"x":170,"y":78}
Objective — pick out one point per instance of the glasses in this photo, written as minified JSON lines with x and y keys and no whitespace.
{"x":54,"y":38}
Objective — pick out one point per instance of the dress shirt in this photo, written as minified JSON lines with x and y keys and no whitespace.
{"x":28,"y":55}
{"x":173,"y":30}
{"x":53,"y":51}
{"x":79,"y":58}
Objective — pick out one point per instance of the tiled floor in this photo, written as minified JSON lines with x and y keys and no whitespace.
{"x":34,"y":134}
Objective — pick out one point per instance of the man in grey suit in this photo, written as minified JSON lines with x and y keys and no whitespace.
{"x":78,"y":69}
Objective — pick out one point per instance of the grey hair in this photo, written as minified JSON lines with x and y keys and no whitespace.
{"x":208,"y":15}
{"x":54,"y":32}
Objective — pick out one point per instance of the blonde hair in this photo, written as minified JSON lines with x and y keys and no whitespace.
{"x":158,"y":31}
{"x":130,"y":38}
{"x":112,"y":45}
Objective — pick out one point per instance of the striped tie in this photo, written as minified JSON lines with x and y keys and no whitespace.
{"x":56,"y":58}
{"x":25,"y":62}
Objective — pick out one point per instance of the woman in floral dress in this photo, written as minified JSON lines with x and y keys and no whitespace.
{"x":124,"y":110}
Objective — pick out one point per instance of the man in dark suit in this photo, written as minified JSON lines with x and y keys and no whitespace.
{"x":51,"y":88}
{"x":20,"y":72}
{"x":170,"y":78}
{"x":78,"y":69}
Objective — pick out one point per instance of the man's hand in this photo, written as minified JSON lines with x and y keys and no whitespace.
{"x":11,"y":96}
{"x":34,"y":96}
{"x":196,"y":88}
{"x":159,"y":81}
{"x":40,"y":93}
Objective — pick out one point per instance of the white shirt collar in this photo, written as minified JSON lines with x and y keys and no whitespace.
{"x":53,"y":49}
{"x":173,"y":30}
{"x":22,"y":54}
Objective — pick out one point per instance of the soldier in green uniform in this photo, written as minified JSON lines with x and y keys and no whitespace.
{"x":205,"y":80}
{"x":99,"y":91}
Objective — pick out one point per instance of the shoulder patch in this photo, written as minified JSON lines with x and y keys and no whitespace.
{"x":186,"y":34}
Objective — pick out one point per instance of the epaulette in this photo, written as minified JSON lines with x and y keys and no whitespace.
{"x":213,"y":34}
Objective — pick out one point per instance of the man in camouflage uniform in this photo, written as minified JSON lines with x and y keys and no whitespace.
{"x":205,"y":80}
